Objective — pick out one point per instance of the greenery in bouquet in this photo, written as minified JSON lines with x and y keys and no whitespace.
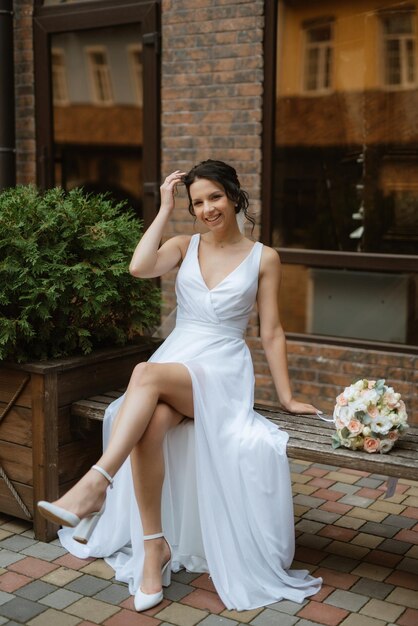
{"x":369,"y":415}
{"x":65,"y":287}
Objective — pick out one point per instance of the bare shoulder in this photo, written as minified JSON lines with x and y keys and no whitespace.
{"x":181,"y":242}
{"x":270,"y":261}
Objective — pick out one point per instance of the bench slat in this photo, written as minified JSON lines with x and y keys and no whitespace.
{"x":309,"y":439}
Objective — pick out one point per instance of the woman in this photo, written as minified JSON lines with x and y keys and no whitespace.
{"x":218,"y":483}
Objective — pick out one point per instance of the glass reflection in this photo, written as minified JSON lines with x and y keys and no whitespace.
{"x":346,"y":162}
{"x":97,"y":108}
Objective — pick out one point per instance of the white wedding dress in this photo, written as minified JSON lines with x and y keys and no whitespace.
{"x":227,"y":500}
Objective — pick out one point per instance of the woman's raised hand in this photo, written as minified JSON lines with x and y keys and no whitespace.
{"x":167,"y":190}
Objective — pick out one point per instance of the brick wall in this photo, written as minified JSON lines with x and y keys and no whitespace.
{"x":212,"y":84}
{"x":24,"y":92}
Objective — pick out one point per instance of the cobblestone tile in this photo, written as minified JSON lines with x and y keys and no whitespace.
{"x":349,"y":522}
{"x":404,"y":597}
{"x":309,"y":526}
{"x":176,"y":591}
{"x":408,"y":565}
{"x":382,"y":610}
{"x":44,"y":551}
{"x":51,"y":617}
{"x":181,"y":615}
{"x":347,"y":550}
{"x":10,"y":581}
{"x":21,"y":610}
{"x":367,"y":540}
{"x":372,"y":588}
{"x":204,"y":582}
{"x":61,"y":576}
{"x":346,"y":488}
{"x":87,"y":585}
{"x":270,"y":618}
{"x":35,"y":568}
{"x":340,"y":534}
{"x":313,"y":541}
{"x":93,"y":610}
{"x":379,"y":557}
{"x":100,"y":569}
{"x":400,"y":521}
{"x":357,"y":501}
{"x":35,"y":590}
{"x":403,"y":579}
{"x":61,"y":598}
{"x":395,"y":546}
{"x":318,"y":515}
{"x":16,"y":543}
{"x":339,"y":563}
{"x":304,"y":500}
{"x":369,"y":570}
{"x":7,"y":557}
{"x":129,"y":618}
{"x":244,"y":617}
{"x":336,"y":507}
{"x":381,"y":530}
{"x":409,"y":618}
{"x":367,"y":514}
{"x":16,"y":526}
{"x":333,"y":578}
{"x":205,"y":600}
{"x":68,"y":560}
{"x":4,"y":534}
{"x":390,"y":508}
{"x":372,"y":483}
{"x":286,"y":606}
{"x":5,"y":597}
{"x":184,"y":577}
{"x":347,"y":600}
{"x":323,"y":613}
{"x":114,"y":594}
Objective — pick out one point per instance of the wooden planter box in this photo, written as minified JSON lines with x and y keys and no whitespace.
{"x":41,"y":456}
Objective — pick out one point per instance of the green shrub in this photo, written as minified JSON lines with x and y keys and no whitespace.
{"x":65,"y":287}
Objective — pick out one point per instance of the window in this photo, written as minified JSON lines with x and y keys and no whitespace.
{"x":135,"y":58}
{"x":59,"y":77}
{"x":101,"y":85}
{"x":340,"y":170}
{"x":399,"y":49}
{"x":318,"y":57}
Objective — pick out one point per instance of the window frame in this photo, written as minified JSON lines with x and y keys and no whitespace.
{"x":62,"y":18}
{"x":94,"y":70}
{"x":322,"y":47}
{"x":312,"y":258}
{"x":131,"y":50}
{"x":402,"y":38}
{"x":63,"y":76}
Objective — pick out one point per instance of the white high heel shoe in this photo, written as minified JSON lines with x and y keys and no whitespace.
{"x":84,"y":527}
{"x":144,"y":601}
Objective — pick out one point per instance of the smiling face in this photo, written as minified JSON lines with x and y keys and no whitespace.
{"x":211,"y":204}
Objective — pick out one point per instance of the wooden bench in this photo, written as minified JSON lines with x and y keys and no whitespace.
{"x":309,"y":439}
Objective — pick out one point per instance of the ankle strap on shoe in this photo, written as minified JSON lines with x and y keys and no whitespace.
{"x":103,"y":473}
{"x":156,"y":536}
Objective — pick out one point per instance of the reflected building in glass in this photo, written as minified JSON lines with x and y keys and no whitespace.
{"x":97,"y":111}
{"x":346,"y":162}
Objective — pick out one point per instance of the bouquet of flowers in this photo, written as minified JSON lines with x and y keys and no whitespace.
{"x":369,"y":416}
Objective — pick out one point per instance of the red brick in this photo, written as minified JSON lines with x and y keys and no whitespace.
{"x":369,"y":493}
{"x":337,"y":532}
{"x":204,"y":582}
{"x":403,"y":579}
{"x":410,"y":536}
{"x":315,"y":471}
{"x":328,"y":494}
{"x":339,"y":580}
{"x":386,"y":559}
{"x":409,"y":618}
{"x":323,"y":593}
{"x":322,"y":483}
{"x":35,"y":568}
{"x":323,"y":613}
{"x":72,"y":562}
{"x":10,"y":581}
{"x":206,"y":600}
{"x":336,"y":507}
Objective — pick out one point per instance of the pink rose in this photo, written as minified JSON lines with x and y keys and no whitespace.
{"x":393,"y":435}
{"x":373,"y":411}
{"x":341,"y":400}
{"x":371,"y":445}
{"x":355,"y":427}
{"x":371,"y":384}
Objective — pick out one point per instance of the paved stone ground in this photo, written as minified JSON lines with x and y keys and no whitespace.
{"x":364,"y":547}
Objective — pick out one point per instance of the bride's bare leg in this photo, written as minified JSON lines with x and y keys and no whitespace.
{"x":147,"y":462}
{"x":150,"y":383}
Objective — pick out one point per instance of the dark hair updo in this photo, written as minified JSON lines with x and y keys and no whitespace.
{"x":226,"y":176}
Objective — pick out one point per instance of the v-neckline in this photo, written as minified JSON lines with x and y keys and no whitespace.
{"x":225,"y":277}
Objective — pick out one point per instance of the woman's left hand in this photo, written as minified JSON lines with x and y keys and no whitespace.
{"x":301,"y":407}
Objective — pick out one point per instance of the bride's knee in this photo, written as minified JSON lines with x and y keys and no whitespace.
{"x":142,"y":374}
